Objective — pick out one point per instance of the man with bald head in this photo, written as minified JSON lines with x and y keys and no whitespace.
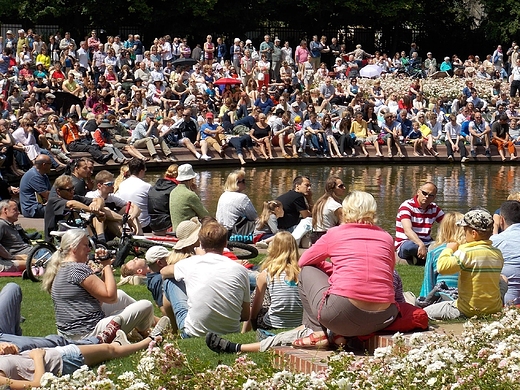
{"x":35,"y":187}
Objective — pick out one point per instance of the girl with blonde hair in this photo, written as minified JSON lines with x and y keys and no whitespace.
{"x":279,"y":278}
{"x":267,"y":223}
{"x":449,"y":231}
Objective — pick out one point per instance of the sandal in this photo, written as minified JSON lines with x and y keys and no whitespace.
{"x":312,"y":341}
{"x":400,"y":155}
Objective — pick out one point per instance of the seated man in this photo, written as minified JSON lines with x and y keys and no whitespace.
{"x":297,"y":204}
{"x":481,"y":288}
{"x":147,"y":135}
{"x":414,"y":222}
{"x":211,"y":134}
{"x":479,"y":133}
{"x":62,"y":200}
{"x":222,"y":282}
{"x":13,"y":248}
{"x":114,"y":205}
{"x":187,"y":130}
{"x":35,"y":187}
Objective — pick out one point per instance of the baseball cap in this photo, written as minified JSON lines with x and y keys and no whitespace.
{"x":248,"y":42}
{"x":479,"y":219}
{"x":209,"y":115}
{"x":156,"y":253}
{"x":295,"y":104}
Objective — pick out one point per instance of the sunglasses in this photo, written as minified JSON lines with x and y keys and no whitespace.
{"x":109,"y":184}
{"x":67,"y":189}
{"x":427,"y":194}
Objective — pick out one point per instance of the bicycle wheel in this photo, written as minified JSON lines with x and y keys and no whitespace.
{"x":37,"y":260}
{"x":242,"y":251}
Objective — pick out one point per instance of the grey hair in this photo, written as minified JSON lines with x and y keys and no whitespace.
{"x":69,"y":241}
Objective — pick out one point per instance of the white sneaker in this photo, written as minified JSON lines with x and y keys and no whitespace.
{"x":262,"y":244}
{"x":464,"y":159}
{"x":157,"y":159}
{"x":198,"y":156}
{"x":205,"y":158}
{"x":162,"y":325}
{"x":121,"y":338}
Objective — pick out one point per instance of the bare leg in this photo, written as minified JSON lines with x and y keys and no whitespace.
{"x":262,"y":149}
{"x":268,"y":145}
{"x":97,"y":353}
{"x":241,"y":158}
{"x":191,"y":147}
{"x":134,"y":152}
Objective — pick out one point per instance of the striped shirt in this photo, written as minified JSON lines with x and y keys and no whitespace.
{"x":479,"y":265}
{"x":422,"y":220}
{"x":286,"y":308}
{"x":77,"y":312}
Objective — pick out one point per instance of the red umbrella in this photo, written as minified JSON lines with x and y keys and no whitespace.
{"x":227,"y":81}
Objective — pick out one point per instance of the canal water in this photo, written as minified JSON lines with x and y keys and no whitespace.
{"x":460,"y":186}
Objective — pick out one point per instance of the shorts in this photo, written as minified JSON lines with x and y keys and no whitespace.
{"x":72,"y":358}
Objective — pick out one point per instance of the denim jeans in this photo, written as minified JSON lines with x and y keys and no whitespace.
{"x":175,"y":292}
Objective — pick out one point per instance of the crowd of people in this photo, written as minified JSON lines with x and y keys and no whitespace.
{"x":115,"y":99}
{"x":345,"y":285}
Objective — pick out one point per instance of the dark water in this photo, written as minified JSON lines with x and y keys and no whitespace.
{"x":460,"y":187}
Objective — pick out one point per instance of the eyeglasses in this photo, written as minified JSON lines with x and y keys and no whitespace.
{"x":109,"y":184}
{"x":427,"y":194}
{"x":342,"y":186}
{"x":243,"y":181}
{"x":67,"y":189}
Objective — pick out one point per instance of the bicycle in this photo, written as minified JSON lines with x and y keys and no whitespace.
{"x":131,"y":243}
{"x":39,"y":257}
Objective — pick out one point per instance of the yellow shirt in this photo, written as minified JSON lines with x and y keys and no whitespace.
{"x":479,"y":265}
{"x":425,"y":130}
{"x":360,"y":130}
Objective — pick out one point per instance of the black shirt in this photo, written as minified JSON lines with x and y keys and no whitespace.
{"x":293,"y":202}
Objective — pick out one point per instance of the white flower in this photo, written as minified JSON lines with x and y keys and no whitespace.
{"x":431,"y":381}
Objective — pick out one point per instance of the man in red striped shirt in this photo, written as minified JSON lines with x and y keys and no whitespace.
{"x":413,"y":224}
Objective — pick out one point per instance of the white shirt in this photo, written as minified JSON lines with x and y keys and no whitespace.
{"x":136,"y":190}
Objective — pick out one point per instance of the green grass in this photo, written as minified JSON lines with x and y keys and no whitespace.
{"x":38,"y":310}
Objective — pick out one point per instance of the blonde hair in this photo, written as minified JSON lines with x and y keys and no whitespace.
{"x":124,"y":173}
{"x":172,"y":171}
{"x":359,"y":207}
{"x":282,"y":255}
{"x":514,"y":196}
{"x":231,"y":184}
{"x":178,"y":255}
{"x":449,"y":231}
{"x":317,"y":210}
{"x":69,"y":241}
{"x":268,"y":209}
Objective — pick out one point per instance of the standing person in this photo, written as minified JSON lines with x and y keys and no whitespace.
{"x":297,"y":203}
{"x":276,"y":61}
{"x":184,"y":201}
{"x":480,"y":288}
{"x":35,"y":185}
{"x":508,"y":241}
{"x":347,"y":300}
{"x":223,"y":283}
{"x":233,"y":205}
{"x":413,"y":224}
{"x":135,"y":190}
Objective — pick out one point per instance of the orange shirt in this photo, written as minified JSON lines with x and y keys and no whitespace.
{"x":70,"y":132}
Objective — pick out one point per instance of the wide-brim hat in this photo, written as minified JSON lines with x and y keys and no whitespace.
{"x":185,"y":172}
{"x":105,"y":124}
{"x":188,"y":233}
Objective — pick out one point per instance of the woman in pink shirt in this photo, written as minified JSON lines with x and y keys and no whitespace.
{"x":300,"y":55}
{"x":353,"y":293}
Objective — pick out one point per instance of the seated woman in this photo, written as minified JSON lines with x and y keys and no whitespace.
{"x":84,"y":304}
{"x":356,"y":303}
{"x":278,"y":281}
{"x":327,"y":211}
{"x":449,"y":231}
{"x":390,"y":132}
{"x":261,"y":135}
{"x":233,"y":205}
{"x":25,"y":370}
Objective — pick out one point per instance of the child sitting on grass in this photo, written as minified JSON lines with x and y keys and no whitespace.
{"x":479,"y":264}
{"x":278,"y":281}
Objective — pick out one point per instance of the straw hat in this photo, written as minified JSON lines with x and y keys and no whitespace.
{"x":188,"y":233}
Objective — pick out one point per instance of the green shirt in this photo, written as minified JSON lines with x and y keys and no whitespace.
{"x":184,"y":205}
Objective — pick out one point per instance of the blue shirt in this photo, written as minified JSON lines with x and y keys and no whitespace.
{"x":32,"y":182}
{"x":205,"y":126}
{"x":432,"y":276}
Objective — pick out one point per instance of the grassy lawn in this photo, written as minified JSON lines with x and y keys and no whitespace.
{"x":38,"y":310}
